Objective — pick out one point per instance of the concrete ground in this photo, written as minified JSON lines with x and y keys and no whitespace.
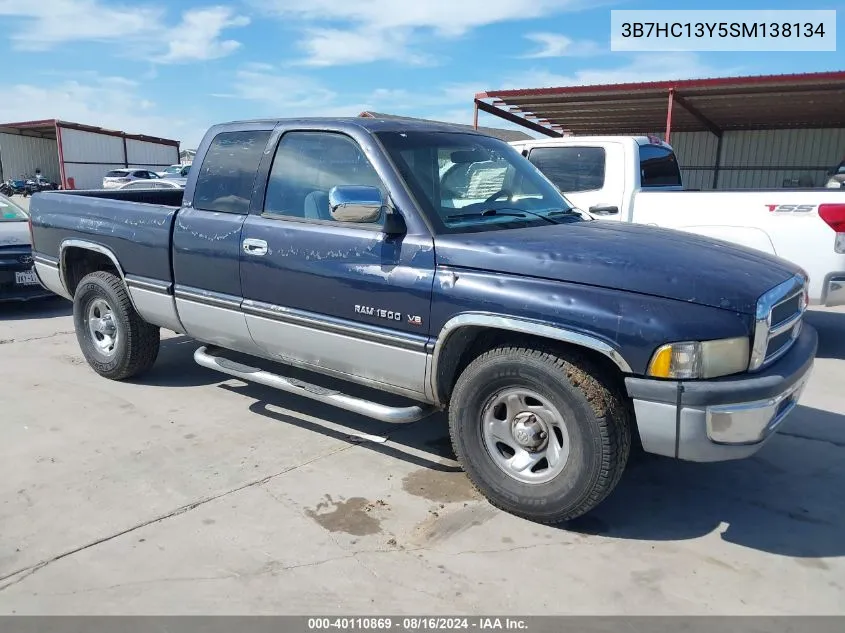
{"x":185,"y":492}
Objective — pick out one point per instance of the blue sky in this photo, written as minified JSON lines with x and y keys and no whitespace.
{"x":173,"y":69}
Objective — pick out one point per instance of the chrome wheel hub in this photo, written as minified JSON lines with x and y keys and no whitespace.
{"x":102,"y":327}
{"x":525,"y":435}
{"x":529,"y":431}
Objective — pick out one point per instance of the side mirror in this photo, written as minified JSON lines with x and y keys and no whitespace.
{"x":394,"y":223}
{"x":604,"y":209}
{"x":355,"y":203}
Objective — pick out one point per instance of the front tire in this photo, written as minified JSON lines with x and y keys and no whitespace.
{"x":114,"y":339}
{"x":540,"y":434}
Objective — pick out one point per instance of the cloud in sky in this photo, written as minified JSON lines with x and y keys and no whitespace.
{"x":110,"y":102}
{"x":386,"y":30}
{"x":278,"y":93}
{"x":558,"y":45}
{"x":141,"y":29}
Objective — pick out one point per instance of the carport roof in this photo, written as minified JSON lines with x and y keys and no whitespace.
{"x":46,"y":128}
{"x":809,"y":100}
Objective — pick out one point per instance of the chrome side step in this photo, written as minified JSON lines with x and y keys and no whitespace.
{"x":394,"y":415}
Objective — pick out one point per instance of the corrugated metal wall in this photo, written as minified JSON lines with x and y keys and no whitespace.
{"x":89,"y":155}
{"x":89,"y":176}
{"x":759,"y":159}
{"x":151,"y":155}
{"x":22,"y":155}
{"x":89,"y":147}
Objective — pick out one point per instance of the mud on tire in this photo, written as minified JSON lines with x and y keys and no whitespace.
{"x":536,"y":392}
{"x":114,"y":339}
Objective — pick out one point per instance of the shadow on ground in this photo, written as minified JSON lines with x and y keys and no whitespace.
{"x":43,"y":308}
{"x":424,"y":443}
{"x":785,"y":500}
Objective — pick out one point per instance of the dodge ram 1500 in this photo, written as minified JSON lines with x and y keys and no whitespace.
{"x":355,"y":249}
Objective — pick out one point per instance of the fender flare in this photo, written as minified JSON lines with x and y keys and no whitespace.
{"x":522,"y":326}
{"x":89,"y":246}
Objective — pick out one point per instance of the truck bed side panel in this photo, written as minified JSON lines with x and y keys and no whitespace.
{"x":137,"y":233}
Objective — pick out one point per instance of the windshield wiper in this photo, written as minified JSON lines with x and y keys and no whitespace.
{"x":486,"y":214}
{"x":521,"y":213}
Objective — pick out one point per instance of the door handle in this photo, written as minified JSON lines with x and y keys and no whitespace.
{"x":254,"y":247}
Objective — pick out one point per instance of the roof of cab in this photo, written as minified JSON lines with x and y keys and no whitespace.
{"x":371,"y":124}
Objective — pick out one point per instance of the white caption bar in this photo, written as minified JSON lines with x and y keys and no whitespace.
{"x":644,"y":30}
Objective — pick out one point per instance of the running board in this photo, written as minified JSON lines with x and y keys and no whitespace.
{"x":383,"y":413}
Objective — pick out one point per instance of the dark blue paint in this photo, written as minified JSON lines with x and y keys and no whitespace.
{"x":329,"y":269}
{"x":139,"y":234}
{"x":634,"y":324}
{"x":631,"y":257}
{"x":206,"y":251}
{"x":634,"y":287}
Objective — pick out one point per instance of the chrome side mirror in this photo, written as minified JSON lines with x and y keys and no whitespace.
{"x":355,"y":203}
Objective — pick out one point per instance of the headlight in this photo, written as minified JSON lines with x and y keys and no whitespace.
{"x":706,"y":359}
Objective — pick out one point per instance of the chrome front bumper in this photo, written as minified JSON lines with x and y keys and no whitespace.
{"x":728,"y":418}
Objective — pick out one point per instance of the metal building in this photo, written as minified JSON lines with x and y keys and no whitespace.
{"x":731,"y":132}
{"x":76,"y":155}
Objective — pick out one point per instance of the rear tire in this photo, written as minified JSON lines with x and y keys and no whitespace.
{"x":540,"y":434}
{"x":114,"y":339}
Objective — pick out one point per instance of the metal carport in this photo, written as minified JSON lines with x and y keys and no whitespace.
{"x":78,"y":155}
{"x":705,"y":113}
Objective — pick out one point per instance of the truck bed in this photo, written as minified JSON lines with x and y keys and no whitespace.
{"x":135,"y":223}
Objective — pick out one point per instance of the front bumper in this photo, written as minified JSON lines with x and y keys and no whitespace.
{"x":724,"y":418}
{"x":834,"y":291}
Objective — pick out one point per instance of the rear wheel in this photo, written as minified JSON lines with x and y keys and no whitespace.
{"x":115,"y":340}
{"x":540,"y":434}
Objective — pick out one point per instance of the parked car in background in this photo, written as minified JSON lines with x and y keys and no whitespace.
{"x":161,"y":183}
{"x":18,"y":281}
{"x":552,"y":338}
{"x":118,"y":177}
{"x":836,"y":177}
{"x":637,"y":179}
{"x":175,"y":171}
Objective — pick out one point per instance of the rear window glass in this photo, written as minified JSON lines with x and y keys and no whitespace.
{"x":571,"y":168}
{"x":225,"y":179}
{"x":658,"y":167}
{"x":116,"y":173}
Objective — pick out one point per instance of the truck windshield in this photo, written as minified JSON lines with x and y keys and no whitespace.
{"x":469,"y":182}
{"x":10,"y":212}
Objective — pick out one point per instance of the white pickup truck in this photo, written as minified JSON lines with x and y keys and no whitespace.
{"x":637,"y":179}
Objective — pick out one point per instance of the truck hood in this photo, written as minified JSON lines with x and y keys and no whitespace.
{"x":630,"y":257}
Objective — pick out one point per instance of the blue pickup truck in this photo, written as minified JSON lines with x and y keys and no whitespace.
{"x":439,"y":265}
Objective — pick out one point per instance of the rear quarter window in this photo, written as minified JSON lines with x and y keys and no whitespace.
{"x":658,"y":167}
{"x":115,"y":174}
{"x":226,"y":176}
{"x":572,"y":169}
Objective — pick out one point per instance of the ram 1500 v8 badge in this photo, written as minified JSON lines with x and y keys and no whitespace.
{"x":552,"y":339}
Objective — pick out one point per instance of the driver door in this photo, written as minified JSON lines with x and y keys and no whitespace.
{"x":338,"y":297}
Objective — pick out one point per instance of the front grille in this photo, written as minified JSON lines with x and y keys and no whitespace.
{"x":788,"y":308}
{"x":779,"y":317}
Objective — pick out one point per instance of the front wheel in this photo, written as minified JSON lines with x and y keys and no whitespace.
{"x":540,"y":434}
{"x":115,"y":340}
